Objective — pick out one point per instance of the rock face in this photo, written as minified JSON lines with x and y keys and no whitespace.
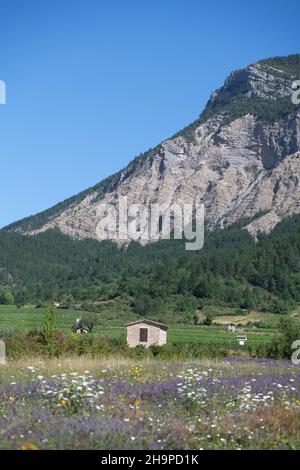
{"x":241,"y":159}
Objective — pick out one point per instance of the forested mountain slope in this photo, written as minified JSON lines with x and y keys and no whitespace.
{"x":231,"y":269}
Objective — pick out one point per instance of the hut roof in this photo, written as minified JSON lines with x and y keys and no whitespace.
{"x":149,"y":322}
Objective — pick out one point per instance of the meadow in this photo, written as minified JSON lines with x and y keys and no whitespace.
{"x":114,"y":403}
{"x":111,"y":325}
{"x":200,"y":391}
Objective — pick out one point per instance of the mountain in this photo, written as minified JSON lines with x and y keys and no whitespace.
{"x":162,"y":279}
{"x":240,"y":159}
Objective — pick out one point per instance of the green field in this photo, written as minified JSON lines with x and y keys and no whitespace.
{"x":28,"y":318}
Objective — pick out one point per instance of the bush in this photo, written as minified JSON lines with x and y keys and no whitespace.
{"x":5,"y":333}
{"x":48,"y":329}
{"x":281,"y":345}
{"x":240,"y":312}
{"x":6,"y":298}
{"x":21,"y":344}
{"x":256,"y":324}
{"x":32,"y":343}
{"x":208,"y":320}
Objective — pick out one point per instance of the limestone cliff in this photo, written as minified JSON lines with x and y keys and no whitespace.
{"x":240,"y":158}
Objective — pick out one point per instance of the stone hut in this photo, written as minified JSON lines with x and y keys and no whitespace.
{"x":146,"y":333}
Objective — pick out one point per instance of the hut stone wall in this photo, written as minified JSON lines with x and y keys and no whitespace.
{"x":156,"y":335}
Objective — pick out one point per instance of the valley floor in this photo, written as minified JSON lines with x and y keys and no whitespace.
{"x":111,"y":325}
{"x":85,"y":403}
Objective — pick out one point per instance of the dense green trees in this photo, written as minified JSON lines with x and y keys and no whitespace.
{"x":231,"y":270}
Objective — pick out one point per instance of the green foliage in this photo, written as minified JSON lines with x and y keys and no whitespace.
{"x":266,"y":110}
{"x":90,"y":319}
{"x":6,"y":298}
{"x":208,"y":320}
{"x":281,"y":345}
{"x":31,"y":343}
{"x":67,"y":301}
{"x":240,"y":312}
{"x":48,"y":330}
{"x":187,"y":305}
{"x":160,"y":280}
{"x":290,"y":65}
{"x":146,"y":305}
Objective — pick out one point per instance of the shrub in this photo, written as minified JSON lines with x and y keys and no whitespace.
{"x":241,"y":312}
{"x":32,"y":343}
{"x":21,"y":344}
{"x":6,"y":298}
{"x":281,"y":345}
{"x":208,"y":320}
{"x":48,"y":329}
{"x":5,"y":333}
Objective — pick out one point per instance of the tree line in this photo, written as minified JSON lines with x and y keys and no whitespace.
{"x":231,"y":270}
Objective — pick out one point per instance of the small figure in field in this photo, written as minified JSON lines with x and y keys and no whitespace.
{"x":231,"y":328}
{"x":81,"y":327}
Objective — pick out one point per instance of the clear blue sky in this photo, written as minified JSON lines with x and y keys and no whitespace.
{"x":92,"y":83}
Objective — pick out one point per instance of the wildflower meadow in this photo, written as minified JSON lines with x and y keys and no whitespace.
{"x":85,"y":403}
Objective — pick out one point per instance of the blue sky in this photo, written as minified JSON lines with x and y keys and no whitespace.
{"x":93,"y":83}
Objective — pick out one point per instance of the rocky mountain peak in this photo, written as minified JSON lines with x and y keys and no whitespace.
{"x":270,"y":79}
{"x":240,"y":159}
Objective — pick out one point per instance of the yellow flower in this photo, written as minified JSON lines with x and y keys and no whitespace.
{"x":136,"y":403}
{"x":64,"y":402}
{"x":29,"y":446}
